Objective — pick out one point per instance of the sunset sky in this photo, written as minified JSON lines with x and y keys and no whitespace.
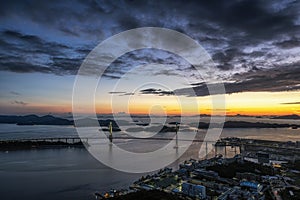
{"x":255,"y":46}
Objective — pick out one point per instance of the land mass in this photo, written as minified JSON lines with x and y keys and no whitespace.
{"x":287,"y":117}
{"x":243,"y":124}
{"x":34,"y":120}
{"x":104,"y":123}
{"x":151,"y":195}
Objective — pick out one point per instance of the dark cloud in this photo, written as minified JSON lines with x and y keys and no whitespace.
{"x":69,"y":65}
{"x":129,"y":22}
{"x":289,"y":43}
{"x":226,"y":56}
{"x":22,"y":103}
{"x":24,"y":67}
{"x":29,"y":53}
{"x":128,"y":94}
{"x":15,"y":93}
{"x":117,"y":92}
{"x":291,"y":103}
{"x":122,"y":93}
{"x":247,"y":39}
{"x":158,"y":92}
{"x":32,"y":40}
{"x":171,"y":65}
{"x":282,"y":79}
{"x":225,"y":66}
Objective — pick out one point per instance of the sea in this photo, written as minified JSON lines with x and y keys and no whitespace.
{"x":73,"y":173}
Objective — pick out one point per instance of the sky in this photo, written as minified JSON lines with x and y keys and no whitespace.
{"x":255,"y":47}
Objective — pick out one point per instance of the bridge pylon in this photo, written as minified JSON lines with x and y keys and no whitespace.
{"x":110,"y":137}
{"x":176,"y":129}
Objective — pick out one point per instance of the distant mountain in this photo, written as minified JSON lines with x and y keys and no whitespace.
{"x":287,"y":117}
{"x":240,"y":115}
{"x":243,"y":124}
{"x":88,"y":122}
{"x":34,"y":120}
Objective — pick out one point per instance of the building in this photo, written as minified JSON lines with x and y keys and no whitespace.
{"x":193,"y":190}
{"x":251,"y":185}
{"x":247,"y":176}
{"x":205,"y":173}
{"x":263,"y":157}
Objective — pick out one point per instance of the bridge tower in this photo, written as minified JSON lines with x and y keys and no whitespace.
{"x":176,"y":129}
{"x":110,"y":137}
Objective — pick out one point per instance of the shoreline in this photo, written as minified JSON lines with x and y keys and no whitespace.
{"x":26,"y":145}
{"x":41,"y":143}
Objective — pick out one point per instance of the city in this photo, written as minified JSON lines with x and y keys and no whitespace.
{"x":253,"y":174}
{"x":150,"y":100}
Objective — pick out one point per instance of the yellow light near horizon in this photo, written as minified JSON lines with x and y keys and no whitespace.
{"x":263,"y":103}
{"x":247,"y":103}
{"x":149,"y":104}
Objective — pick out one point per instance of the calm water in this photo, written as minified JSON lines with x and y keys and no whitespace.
{"x":56,"y":174}
{"x":72,"y":173}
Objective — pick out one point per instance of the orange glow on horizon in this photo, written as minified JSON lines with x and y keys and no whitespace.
{"x":246,"y":103}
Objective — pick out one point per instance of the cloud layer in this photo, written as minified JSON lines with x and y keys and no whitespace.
{"x":255,"y":44}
